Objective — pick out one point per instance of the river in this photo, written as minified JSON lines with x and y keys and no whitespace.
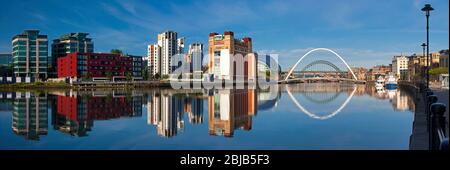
{"x":296,"y":116}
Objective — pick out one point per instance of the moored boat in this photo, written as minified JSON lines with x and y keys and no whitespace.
{"x":390,"y":82}
{"x":380,"y":82}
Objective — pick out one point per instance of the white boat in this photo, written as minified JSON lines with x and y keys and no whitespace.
{"x":390,"y":82}
{"x":380,"y":82}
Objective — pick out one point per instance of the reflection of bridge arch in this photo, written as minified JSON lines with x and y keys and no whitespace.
{"x":322,"y":49}
{"x":312,"y":115}
{"x":326,"y":100}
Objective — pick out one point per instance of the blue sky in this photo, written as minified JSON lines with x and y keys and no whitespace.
{"x":364,"y":32}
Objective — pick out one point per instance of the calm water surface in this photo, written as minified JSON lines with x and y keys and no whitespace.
{"x":299,"y":116}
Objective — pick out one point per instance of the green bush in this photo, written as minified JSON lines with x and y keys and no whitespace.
{"x":439,"y":70}
{"x":38,"y":83}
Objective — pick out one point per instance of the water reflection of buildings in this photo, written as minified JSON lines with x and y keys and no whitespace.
{"x":399,"y":98}
{"x":29,"y":116}
{"x":166,"y":112}
{"x":268,"y":99}
{"x":400,"y":101}
{"x":75,"y":114}
{"x":194,"y":108}
{"x":231,"y":109}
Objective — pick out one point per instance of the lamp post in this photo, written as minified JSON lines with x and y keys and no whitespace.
{"x":427,"y":8}
{"x":423,"y":55}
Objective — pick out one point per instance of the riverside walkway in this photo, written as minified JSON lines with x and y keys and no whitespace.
{"x":419,"y":139}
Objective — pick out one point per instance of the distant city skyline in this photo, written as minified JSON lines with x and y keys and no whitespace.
{"x":360,"y":31}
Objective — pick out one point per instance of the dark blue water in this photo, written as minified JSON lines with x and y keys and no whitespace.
{"x":303,"y":116}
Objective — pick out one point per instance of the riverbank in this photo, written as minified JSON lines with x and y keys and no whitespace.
{"x":36,"y":85}
{"x":116,"y":84}
{"x":83,"y":85}
{"x":419,"y":136}
{"x":419,"y":139}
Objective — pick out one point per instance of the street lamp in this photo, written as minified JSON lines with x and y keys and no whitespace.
{"x":427,"y":10}
{"x":423,"y":55}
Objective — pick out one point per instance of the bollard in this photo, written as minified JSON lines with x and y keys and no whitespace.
{"x":437,"y":124}
{"x":430,"y":100}
{"x":426,"y":93}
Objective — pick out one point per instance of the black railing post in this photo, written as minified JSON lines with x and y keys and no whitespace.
{"x":431,"y":99}
{"x":437,"y":124}
{"x":427,"y":93}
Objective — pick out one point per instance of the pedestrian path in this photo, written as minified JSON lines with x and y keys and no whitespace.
{"x":419,"y":137}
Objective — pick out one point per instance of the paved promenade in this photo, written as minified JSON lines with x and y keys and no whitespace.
{"x":419,"y":137}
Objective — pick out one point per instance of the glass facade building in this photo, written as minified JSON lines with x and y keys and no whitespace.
{"x":66,"y":44}
{"x":30,"y":54}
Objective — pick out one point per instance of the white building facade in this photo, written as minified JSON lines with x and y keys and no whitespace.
{"x":160,"y":54}
{"x":400,"y":66}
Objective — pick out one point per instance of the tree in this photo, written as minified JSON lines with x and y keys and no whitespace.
{"x":439,"y":70}
{"x":86,"y":76}
{"x":267,"y":73}
{"x":156,"y":76}
{"x":205,"y":68}
{"x":109,"y":76}
{"x":145,"y":73}
{"x":128,"y":76}
{"x":116,"y":51}
{"x":10,"y":70}
{"x":165,"y":76}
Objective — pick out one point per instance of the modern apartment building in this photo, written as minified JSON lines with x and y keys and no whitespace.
{"x":221,"y":49}
{"x":168,"y":42}
{"x":153,"y":58}
{"x":160,"y":55}
{"x":30,"y":54}
{"x":138,"y":66}
{"x":195,"y":57}
{"x":268,"y":64}
{"x":5,"y":63}
{"x":69,"y":43}
{"x":180,"y":45}
{"x":5,"y":59}
{"x":94,"y":65}
{"x":400,"y":66}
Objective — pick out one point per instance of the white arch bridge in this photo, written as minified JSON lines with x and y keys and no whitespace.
{"x":337,"y":75}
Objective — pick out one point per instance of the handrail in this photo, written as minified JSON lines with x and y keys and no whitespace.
{"x":438,"y":140}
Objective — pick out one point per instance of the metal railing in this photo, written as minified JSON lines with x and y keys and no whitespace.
{"x":438,"y":140}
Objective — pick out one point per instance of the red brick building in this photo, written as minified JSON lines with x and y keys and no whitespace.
{"x":94,"y":65}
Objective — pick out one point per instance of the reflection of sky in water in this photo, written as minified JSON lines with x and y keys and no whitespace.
{"x":367,"y":122}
